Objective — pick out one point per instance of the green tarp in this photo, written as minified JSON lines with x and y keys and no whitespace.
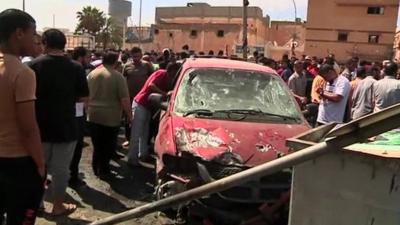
{"x":386,"y":141}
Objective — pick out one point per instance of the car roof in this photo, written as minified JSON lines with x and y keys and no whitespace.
{"x":225,"y":64}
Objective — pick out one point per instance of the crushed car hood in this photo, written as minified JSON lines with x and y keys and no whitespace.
{"x":255,"y":143}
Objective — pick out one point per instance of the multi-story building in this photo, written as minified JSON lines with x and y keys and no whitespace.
{"x":283,"y":35}
{"x":347,"y":28}
{"x":206,"y":28}
{"x":203,"y":28}
{"x":396,"y":46}
{"x":283,"y":31}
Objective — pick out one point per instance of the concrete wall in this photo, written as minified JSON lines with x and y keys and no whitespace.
{"x":282,"y":31}
{"x":326,"y":18}
{"x":280,"y":37}
{"x":346,"y":188}
{"x":397,"y":46}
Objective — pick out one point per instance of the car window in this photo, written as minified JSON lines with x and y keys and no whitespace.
{"x":217,"y":89}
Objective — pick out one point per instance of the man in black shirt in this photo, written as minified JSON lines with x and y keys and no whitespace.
{"x":82,"y":57}
{"x":60,"y":82}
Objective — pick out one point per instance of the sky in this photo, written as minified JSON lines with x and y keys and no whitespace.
{"x":65,"y":10}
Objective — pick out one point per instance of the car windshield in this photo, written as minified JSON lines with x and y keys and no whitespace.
{"x":212,"y":90}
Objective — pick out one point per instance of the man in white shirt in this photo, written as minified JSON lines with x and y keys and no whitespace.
{"x":363,"y":96}
{"x":298,"y":82}
{"x":333,"y":96}
{"x":387,"y":90}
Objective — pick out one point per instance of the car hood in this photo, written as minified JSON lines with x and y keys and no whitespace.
{"x":255,"y":143}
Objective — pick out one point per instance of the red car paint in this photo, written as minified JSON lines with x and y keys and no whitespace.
{"x":256,"y":143}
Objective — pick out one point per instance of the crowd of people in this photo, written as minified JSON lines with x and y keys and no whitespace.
{"x":340,"y":93}
{"x":48,"y":97}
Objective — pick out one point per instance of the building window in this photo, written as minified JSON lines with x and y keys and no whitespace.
{"x":171,"y":35}
{"x":193,"y":33}
{"x":376,"y":10}
{"x":156,"y":31}
{"x":342,"y":36}
{"x":220,"y":33}
{"x":373,"y":38}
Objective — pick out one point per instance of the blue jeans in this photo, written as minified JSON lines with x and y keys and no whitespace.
{"x":138,"y":145}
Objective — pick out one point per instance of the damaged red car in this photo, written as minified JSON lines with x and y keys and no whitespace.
{"x":224,"y":117}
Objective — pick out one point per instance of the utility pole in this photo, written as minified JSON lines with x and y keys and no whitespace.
{"x":23,"y":5}
{"x":245,"y":43}
{"x":295,"y":10}
{"x":124,"y":33}
{"x":140,"y":25}
{"x":294,"y":39}
{"x":54,"y":20}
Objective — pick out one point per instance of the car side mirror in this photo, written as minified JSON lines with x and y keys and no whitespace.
{"x":158,"y":101}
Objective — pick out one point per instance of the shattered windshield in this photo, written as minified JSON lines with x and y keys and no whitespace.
{"x":211,"y":90}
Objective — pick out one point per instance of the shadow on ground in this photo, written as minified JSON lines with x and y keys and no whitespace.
{"x":128,"y":188}
{"x":100,"y":201}
{"x":133,"y":183}
{"x":65,"y":220}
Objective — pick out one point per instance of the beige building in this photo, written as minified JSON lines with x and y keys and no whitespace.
{"x":346,"y":28}
{"x":203,"y":28}
{"x":283,"y":31}
{"x":206,"y":28}
{"x":283,"y":35}
{"x":397,"y":46}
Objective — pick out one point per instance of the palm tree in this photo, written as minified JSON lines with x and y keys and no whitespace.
{"x":111,"y":34}
{"x":91,"y":20}
{"x":294,"y":37}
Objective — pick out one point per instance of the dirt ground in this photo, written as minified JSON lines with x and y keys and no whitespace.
{"x":98,"y":199}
